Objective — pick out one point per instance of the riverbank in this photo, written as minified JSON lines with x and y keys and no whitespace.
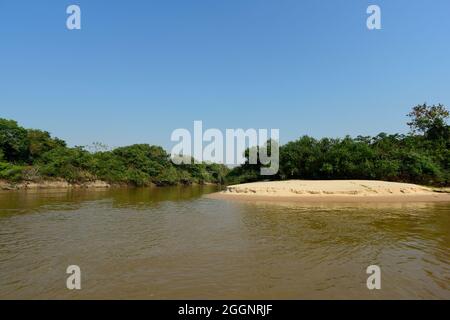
{"x":332,"y":191}
{"x":52,"y":184}
{"x":63,"y":184}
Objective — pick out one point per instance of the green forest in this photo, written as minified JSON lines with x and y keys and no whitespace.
{"x":33,"y":155}
{"x":421,"y":157}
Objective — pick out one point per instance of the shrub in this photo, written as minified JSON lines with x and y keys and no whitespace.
{"x":10,"y":172}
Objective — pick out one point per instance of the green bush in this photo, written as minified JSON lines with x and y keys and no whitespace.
{"x":71,"y":164}
{"x":10,"y":172}
{"x":171,"y":176}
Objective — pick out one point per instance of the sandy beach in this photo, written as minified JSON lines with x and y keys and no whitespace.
{"x":332,"y":191}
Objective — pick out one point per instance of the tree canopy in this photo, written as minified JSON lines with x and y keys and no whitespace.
{"x":30,"y":154}
{"x":422,"y":157}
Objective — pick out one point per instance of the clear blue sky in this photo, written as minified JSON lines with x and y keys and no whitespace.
{"x":139,"y":69}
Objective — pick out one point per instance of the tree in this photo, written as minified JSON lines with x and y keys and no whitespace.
{"x":41,"y":142}
{"x":13,"y":141}
{"x":72,"y":164}
{"x":148,"y":159}
{"x":430,"y":120}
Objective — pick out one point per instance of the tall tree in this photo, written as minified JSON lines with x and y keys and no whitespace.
{"x":430,"y":120}
{"x":13,"y":141}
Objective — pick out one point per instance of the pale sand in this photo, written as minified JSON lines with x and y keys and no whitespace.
{"x":332,"y":191}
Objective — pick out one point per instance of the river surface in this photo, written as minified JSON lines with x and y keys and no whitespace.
{"x":172,"y":243}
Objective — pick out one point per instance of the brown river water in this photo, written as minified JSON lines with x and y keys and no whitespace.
{"x":172,"y":243}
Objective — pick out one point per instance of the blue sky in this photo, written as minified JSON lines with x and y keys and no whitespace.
{"x":140,"y":69}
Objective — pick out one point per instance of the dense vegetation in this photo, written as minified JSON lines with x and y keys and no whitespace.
{"x":28,"y":154}
{"x":421,"y":157}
